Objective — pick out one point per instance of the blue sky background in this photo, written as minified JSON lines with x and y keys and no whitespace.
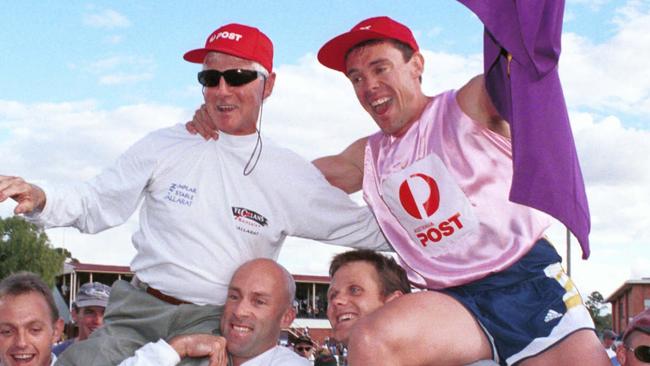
{"x":81,"y":81}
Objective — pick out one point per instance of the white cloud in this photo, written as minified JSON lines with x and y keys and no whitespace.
{"x":314,"y":111}
{"x":107,"y":18}
{"x":121,"y":70}
{"x":612,"y":75}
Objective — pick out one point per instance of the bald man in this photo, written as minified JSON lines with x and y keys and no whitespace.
{"x":258,"y":306}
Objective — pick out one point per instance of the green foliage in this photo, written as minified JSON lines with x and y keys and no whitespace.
{"x":595,"y":304}
{"x":24,"y":247}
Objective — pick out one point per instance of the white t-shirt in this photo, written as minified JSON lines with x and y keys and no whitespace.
{"x":162,"y":354}
{"x":201,"y":218}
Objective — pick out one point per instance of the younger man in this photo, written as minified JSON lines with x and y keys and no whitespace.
{"x":29,"y":321}
{"x":91,"y":302}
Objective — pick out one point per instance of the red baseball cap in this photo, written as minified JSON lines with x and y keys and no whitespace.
{"x":332,"y":54}
{"x":238,"y":40}
{"x":640,"y":323}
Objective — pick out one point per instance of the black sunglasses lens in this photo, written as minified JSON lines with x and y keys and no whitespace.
{"x":209,"y":78}
{"x":237,"y":77}
{"x":642,"y":353}
{"x":233,"y":77}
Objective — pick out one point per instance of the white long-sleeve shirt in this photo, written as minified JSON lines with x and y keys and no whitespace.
{"x":201,"y":217}
{"x":162,"y":354}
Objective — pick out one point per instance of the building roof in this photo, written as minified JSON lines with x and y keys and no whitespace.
{"x":626,"y":286}
{"x":103,"y":268}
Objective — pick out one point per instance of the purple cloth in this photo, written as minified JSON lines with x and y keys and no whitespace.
{"x":527,"y":92}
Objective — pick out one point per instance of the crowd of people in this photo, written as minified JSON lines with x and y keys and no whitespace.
{"x":437,"y":179}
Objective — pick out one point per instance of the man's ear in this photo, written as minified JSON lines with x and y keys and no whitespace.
{"x":57,"y":330}
{"x":288,"y":317}
{"x":394,"y":295}
{"x":269,"y":83}
{"x":417,"y":65}
{"x":621,"y":354}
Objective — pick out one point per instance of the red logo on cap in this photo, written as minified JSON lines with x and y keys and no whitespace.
{"x":430,"y":205}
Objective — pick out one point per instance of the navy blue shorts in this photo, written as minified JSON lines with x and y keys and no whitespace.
{"x":526,"y":308}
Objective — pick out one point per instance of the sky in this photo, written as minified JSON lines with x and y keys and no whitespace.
{"x":81,"y":81}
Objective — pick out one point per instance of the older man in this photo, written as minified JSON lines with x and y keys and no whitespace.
{"x":208,"y":207}
{"x":635,"y":347}
{"x":259,"y":306}
{"x":29,"y":321}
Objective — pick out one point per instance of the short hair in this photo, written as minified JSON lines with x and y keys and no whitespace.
{"x":406,"y":50}
{"x":254,"y":64}
{"x":392,"y":277}
{"x":22,"y":283}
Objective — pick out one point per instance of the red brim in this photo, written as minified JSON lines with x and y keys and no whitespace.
{"x":332,"y":54}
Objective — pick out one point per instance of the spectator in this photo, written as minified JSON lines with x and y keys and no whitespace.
{"x":304,"y":346}
{"x":29,"y":321}
{"x":325,"y":360}
{"x":609,"y":337}
{"x":92,"y":299}
{"x":635,"y":347}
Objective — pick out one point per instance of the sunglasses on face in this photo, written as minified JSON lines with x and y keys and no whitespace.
{"x":303,"y":349}
{"x":233,"y":77}
{"x":642,"y":353}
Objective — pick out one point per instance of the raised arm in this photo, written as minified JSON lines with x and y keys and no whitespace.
{"x":30,"y":198}
{"x":474,"y":100}
{"x":345,"y":170}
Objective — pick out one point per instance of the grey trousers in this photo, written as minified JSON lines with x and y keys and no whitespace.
{"x":134,"y":318}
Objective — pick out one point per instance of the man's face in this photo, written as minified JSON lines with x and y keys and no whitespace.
{"x":386,"y":85}
{"x":256,"y":310}
{"x":237,"y":107}
{"x":89,"y":318}
{"x":626,"y":356}
{"x":304,"y":349}
{"x":27,"y":330}
{"x":354,"y":292}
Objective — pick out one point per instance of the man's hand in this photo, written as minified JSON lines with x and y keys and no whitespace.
{"x":201,"y":345}
{"x":203,"y":122}
{"x":30,"y":198}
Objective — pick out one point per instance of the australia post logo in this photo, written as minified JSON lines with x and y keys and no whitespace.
{"x":423,"y":204}
{"x":225,"y":35}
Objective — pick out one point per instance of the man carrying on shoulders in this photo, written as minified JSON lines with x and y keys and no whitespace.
{"x":258,"y":307}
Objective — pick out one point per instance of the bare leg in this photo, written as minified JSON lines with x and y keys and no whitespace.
{"x":424,"y":328}
{"x":580,"y":348}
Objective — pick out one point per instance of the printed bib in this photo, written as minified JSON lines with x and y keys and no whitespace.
{"x":430,"y":206}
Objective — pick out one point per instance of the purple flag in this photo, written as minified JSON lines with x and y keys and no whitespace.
{"x":521,"y":53}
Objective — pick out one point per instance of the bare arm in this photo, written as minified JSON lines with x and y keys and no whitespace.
{"x":475,"y":101}
{"x":345,"y":170}
{"x":201,"y":345}
{"x":29,"y":197}
{"x":203,"y":123}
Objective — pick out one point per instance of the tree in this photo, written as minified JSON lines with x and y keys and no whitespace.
{"x":25,"y":247}
{"x":596,"y":304}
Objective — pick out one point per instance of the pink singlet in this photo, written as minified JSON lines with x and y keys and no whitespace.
{"x":440,"y":195}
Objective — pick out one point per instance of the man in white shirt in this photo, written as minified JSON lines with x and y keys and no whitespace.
{"x":207,"y":206}
{"x":29,"y":321}
{"x":258,"y":306}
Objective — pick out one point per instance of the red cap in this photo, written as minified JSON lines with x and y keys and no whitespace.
{"x":640,"y":323}
{"x":238,"y":40}
{"x":332,"y":54}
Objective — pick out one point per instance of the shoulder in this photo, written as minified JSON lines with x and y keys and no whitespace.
{"x":285,"y":356}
